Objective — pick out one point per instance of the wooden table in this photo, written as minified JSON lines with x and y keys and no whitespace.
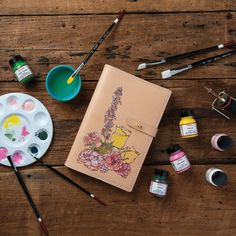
{"x":48,"y":33}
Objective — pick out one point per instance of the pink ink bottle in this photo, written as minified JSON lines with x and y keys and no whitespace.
{"x":178,"y":158}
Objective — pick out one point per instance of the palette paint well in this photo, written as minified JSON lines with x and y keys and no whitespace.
{"x":42,"y":135}
{"x":26,"y":129}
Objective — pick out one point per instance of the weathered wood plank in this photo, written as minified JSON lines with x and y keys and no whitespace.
{"x":67,"y":118}
{"x":67,"y":39}
{"x":190,"y":203}
{"x":46,"y":41}
{"x":30,"y":7}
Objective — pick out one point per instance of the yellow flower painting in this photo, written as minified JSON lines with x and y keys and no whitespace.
{"x":129,"y":155}
{"x":120,"y":136}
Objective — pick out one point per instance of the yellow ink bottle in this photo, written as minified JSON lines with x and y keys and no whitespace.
{"x":187,"y":124}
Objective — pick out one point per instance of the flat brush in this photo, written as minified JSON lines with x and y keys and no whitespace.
{"x":185,"y":55}
{"x":100,"y":41}
{"x":26,"y":191}
{"x":70,"y":181}
{"x":169,"y":73}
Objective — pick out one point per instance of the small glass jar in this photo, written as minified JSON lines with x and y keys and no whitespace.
{"x":159,"y":183}
{"x":188,"y":125}
{"x":216,"y":177}
{"x":22,"y":71}
{"x":178,"y":158}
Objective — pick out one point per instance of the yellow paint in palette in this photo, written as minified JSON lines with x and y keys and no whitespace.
{"x":12,"y":120}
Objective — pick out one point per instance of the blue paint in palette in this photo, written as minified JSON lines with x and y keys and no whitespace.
{"x":34,"y":150}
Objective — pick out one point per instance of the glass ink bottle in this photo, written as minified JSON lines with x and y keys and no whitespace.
{"x":22,"y":71}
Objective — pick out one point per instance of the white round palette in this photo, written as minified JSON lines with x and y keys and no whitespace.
{"x":26,"y":129}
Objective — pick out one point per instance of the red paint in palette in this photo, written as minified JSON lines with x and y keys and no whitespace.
{"x":17,"y":157}
{"x":29,"y":106}
{"x":3,"y":153}
{"x":13,"y":102}
{"x":24,"y":131}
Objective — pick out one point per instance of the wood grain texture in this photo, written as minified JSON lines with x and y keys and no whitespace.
{"x":67,"y":39}
{"x":30,"y":7}
{"x":190,"y":203}
{"x":67,"y":118}
{"x":48,"y":33}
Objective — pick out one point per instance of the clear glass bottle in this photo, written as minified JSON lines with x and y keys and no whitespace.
{"x":159,"y":183}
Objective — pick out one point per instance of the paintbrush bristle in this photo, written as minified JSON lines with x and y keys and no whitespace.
{"x":99,"y":201}
{"x":230,"y":44}
{"x":142,"y":66}
{"x":122,"y":13}
{"x":70,"y":80}
{"x":43,"y":226}
{"x":166,"y":74}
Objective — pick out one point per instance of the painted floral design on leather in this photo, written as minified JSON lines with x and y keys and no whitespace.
{"x":108,"y":151}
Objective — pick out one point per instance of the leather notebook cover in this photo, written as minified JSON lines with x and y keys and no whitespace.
{"x":118,"y":128}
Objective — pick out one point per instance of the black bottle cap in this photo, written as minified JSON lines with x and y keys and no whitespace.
{"x":219,"y":178}
{"x":173,"y":148}
{"x":225,"y":142}
{"x":15,"y":59}
{"x":163,"y":174}
{"x":186,"y":113}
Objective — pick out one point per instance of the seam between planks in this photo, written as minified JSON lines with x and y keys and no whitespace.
{"x":141,"y":77}
{"x":40,"y":167}
{"x":127,"y":13}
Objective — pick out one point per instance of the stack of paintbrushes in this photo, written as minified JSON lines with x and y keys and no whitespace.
{"x":171,"y":72}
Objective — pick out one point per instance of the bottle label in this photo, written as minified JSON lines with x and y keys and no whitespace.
{"x":181,"y":163}
{"x":188,"y":129}
{"x":158,"y":188}
{"x":23,"y":72}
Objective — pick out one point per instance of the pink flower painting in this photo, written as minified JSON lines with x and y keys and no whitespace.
{"x":113,"y":161}
{"x":107,"y":152}
{"x":124,"y":170}
{"x":92,"y":139}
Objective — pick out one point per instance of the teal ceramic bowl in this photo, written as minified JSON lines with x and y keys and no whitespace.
{"x":56,"y":83}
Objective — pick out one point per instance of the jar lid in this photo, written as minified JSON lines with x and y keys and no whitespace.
{"x":219,"y":178}
{"x":186,"y":113}
{"x":15,"y":59}
{"x":173,"y":148}
{"x":162,"y":173}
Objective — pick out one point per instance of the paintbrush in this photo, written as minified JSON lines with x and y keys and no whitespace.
{"x":169,"y":73}
{"x":26,"y":191}
{"x":185,"y":55}
{"x":100,"y":41}
{"x":70,"y":181}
